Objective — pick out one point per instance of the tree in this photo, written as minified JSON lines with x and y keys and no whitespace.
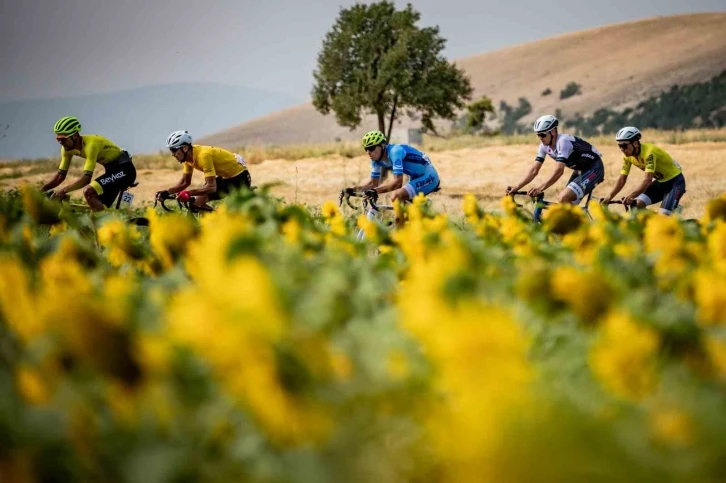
{"x":476,"y":114}
{"x":375,"y":59}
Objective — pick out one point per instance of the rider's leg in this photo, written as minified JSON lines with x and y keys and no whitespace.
{"x":567,"y":195}
{"x":92,"y":197}
{"x":103,"y":190}
{"x":402,"y":195}
{"x":654,"y":194}
{"x":201,"y":201}
{"x":582,"y":183}
{"x":673,"y":196}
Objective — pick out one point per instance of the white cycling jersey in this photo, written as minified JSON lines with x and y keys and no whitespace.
{"x":575,"y":152}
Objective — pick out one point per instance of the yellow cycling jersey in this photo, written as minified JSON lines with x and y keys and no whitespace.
{"x":654,"y":160}
{"x":215,"y":162}
{"x":94,"y":149}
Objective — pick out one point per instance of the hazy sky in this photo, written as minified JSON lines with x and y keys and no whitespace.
{"x":52,"y":48}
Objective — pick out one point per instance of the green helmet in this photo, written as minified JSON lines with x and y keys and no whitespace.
{"x":373,"y":138}
{"x":67,"y":125}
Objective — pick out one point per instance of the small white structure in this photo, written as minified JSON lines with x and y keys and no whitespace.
{"x":406,"y":136}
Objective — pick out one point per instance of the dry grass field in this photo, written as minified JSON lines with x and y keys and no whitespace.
{"x":482,"y":166}
{"x":617,"y":66}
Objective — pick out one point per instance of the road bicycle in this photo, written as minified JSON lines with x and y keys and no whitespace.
{"x":373,"y":210}
{"x":540,"y":204}
{"x":190,"y":205}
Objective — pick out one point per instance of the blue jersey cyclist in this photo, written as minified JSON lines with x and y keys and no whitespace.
{"x":400,"y":159}
{"x":569,"y":152}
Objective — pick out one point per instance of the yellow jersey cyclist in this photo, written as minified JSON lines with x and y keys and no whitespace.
{"x":223,"y":171}
{"x":569,"y":152}
{"x":400,"y":159}
{"x":119,"y":174}
{"x":663,"y":181}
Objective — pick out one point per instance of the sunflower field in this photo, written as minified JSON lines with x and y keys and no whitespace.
{"x":264,"y":343}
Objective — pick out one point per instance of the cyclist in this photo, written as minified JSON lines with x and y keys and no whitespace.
{"x":400,"y":159}
{"x":223,"y":170}
{"x":663,"y":181}
{"x":569,"y":151}
{"x":119,"y":174}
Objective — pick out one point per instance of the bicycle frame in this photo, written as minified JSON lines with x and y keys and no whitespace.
{"x":138,"y":221}
{"x":541,"y":204}
{"x":373,"y":210}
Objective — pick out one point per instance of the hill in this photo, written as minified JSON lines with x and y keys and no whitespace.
{"x":137,"y":119}
{"x":616,"y":65}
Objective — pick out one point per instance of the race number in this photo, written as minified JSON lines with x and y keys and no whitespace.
{"x":127,"y":198}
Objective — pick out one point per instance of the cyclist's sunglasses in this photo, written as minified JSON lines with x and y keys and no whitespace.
{"x":174,"y":150}
{"x":623,"y":145}
{"x":370,"y":149}
{"x":542,"y":135}
{"x":62,"y":140}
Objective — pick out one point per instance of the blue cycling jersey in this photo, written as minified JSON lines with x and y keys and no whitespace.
{"x":402,"y":159}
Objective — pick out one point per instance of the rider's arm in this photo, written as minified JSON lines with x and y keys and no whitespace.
{"x":373,"y":183}
{"x":650,"y":166}
{"x":210,"y":186}
{"x":531,"y":174}
{"x":395,"y":184}
{"x":618,"y":186}
{"x":624,"y":172}
{"x":647,"y":181}
{"x":84,"y":180}
{"x":65,"y":163}
{"x":183,"y":183}
{"x":557,"y":174}
{"x":92,"y":151}
{"x":55,"y":181}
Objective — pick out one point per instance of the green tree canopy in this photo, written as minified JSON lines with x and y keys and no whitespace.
{"x":376,"y":60}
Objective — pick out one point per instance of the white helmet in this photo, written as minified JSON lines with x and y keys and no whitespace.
{"x":545,"y":123}
{"x":628,"y":133}
{"x":178,"y":138}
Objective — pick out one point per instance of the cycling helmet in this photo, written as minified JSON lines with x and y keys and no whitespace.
{"x":546,"y":123}
{"x":178,"y":139}
{"x":373,"y":138}
{"x":628,"y":133}
{"x":67,"y":125}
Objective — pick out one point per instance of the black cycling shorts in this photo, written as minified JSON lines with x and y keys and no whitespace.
{"x":583,"y":182}
{"x":669,"y":192}
{"x":118,"y":176}
{"x":227,"y":185}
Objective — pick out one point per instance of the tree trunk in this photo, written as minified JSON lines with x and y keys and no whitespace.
{"x":381,"y":121}
{"x":393,"y":117}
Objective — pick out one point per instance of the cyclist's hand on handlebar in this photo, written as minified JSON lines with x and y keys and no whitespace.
{"x":606,"y":200}
{"x":59,"y":194}
{"x":163,"y":195}
{"x":534,"y":192}
{"x":344,"y":192}
{"x":184,"y":196}
{"x":628,"y":201}
{"x":370,"y":194}
{"x":509,"y":190}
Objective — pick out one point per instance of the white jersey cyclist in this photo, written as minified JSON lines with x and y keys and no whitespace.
{"x":581,"y":157}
